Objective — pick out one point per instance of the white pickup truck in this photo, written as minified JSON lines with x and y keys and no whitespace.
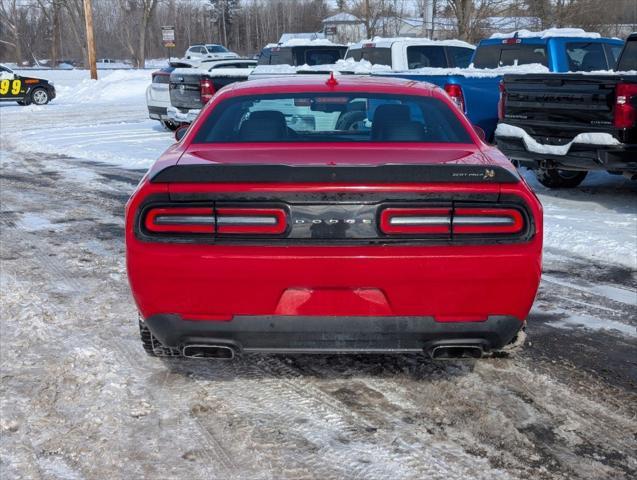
{"x":402,"y":54}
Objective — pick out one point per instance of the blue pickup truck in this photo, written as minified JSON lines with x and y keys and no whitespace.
{"x":476,"y":89}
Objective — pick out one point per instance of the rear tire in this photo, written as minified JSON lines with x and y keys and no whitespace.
{"x":168,"y":125}
{"x":554,"y":178}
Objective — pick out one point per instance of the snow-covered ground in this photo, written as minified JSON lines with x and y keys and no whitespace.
{"x":79,"y":399}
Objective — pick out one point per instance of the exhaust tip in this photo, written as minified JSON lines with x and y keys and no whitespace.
{"x":452,"y":352}
{"x":217,"y":352}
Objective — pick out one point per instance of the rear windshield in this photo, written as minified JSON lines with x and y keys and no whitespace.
{"x":322,"y":56}
{"x":461,"y":57}
{"x":494,"y":56}
{"x":332,"y":118}
{"x":420,"y":56}
{"x":375,"y":56}
{"x":586,"y":57}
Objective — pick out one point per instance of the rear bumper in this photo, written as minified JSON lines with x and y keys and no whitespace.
{"x":157,"y":113}
{"x":182,"y":116}
{"x":313,"y":334}
{"x":579,"y":157}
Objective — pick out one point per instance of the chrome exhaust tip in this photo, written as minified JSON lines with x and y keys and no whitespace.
{"x":452,"y":352}
{"x":217,"y":352}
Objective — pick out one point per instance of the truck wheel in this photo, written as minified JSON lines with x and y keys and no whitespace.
{"x":152,"y":346}
{"x":168,"y":125}
{"x":554,"y":178}
{"x":40,"y":96}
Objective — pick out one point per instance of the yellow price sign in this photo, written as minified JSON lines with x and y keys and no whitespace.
{"x":13,"y":86}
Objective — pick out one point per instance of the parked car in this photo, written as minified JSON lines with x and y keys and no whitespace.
{"x":412,"y":53}
{"x":278,"y":224}
{"x":24,"y":90}
{"x":208,"y":51}
{"x":298,"y":52}
{"x":476,"y":90}
{"x":191,"y":89}
{"x":158,"y":96}
{"x":564,"y":125}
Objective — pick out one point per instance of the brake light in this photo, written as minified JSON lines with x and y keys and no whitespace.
{"x":180,"y":220}
{"x":511,"y":41}
{"x":206,"y":90}
{"x":486,"y":221}
{"x":502,"y":101}
{"x":411,"y":221}
{"x":455,"y":92}
{"x":625,"y":115}
{"x":251,"y":221}
{"x":448,"y":221}
{"x":369,"y":45}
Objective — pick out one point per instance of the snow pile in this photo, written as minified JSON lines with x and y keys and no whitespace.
{"x":386,"y":42}
{"x":346,"y":66}
{"x":549,"y":33}
{"x":478,"y":72}
{"x":117,"y":86}
{"x":594,"y":138}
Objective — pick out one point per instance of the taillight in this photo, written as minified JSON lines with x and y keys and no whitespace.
{"x":251,"y":221}
{"x":206,"y":90}
{"x":625,"y":109}
{"x":455,"y":92}
{"x":502,"y":101}
{"x":486,"y":221}
{"x":180,"y":220}
{"x":414,"y":221}
{"x":452,"y":221}
{"x":220,"y":221}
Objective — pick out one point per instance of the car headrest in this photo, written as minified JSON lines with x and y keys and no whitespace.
{"x":387,"y":115}
{"x":263,"y":126}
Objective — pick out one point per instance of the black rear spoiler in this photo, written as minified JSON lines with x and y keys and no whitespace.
{"x":405,"y":173}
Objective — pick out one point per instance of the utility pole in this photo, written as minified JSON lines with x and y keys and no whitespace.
{"x":90,"y":39}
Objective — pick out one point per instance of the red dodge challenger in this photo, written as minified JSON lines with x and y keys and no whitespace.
{"x":322,"y":214}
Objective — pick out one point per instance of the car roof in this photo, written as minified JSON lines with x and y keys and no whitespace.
{"x":318,"y":83}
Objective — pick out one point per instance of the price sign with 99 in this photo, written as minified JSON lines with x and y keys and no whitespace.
{"x":10,"y":87}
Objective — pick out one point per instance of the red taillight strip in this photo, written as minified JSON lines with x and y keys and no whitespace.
{"x":487,"y":221}
{"x":180,"y":220}
{"x":253,"y":221}
{"x":410,"y":221}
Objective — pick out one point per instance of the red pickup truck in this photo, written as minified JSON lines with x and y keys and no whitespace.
{"x":321,"y":214}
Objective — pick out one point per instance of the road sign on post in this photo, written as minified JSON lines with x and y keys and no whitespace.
{"x":168,"y":38}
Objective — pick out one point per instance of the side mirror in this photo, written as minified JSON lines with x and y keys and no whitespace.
{"x":480,"y":132}
{"x":180,"y":132}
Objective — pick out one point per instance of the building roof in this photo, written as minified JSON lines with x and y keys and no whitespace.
{"x":343,"y":17}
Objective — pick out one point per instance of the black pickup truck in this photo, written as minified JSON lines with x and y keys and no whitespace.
{"x":565,"y":125}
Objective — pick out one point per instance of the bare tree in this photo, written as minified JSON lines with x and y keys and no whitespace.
{"x":9,"y":18}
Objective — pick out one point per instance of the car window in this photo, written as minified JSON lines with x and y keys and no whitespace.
{"x":494,"y":56}
{"x":612,"y":53}
{"x":376,"y":56}
{"x":628,"y":59}
{"x":342,"y":117}
{"x":460,"y":57}
{"x":216,"y":49}
{"x":585,"y":57}
{"x":321,"y":56}
{"x":420,"y":56}
{"x":281,"y":56}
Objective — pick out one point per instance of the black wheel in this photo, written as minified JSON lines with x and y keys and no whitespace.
{"x":152,"y":346}
{"x":169,"y":125}
{"x":554,"y":178}
{"x":40,"y":96}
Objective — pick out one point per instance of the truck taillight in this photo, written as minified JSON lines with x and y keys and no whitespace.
{"x":502,"y":101}
{"x":206,"y":90}
{"x":625,"y":115}
{"x":180,"y":220}
{"x":458,"y":221}
{"x":455,"y":92}
{"x":251,"y":221}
